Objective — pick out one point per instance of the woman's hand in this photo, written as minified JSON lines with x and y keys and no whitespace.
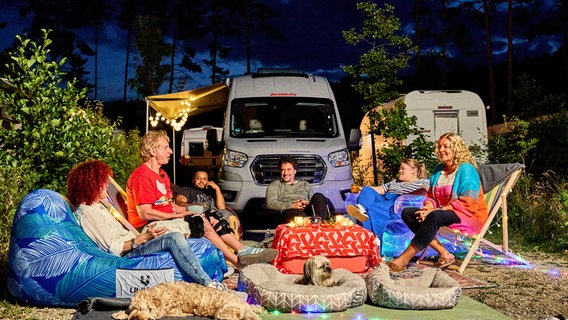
{"x":423,"y":213}
{"x":154,"y":231}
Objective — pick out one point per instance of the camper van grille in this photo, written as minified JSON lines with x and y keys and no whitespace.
{"x":265,"y":169}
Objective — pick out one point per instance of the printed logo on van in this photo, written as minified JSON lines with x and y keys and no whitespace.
{"x":283,"y":94}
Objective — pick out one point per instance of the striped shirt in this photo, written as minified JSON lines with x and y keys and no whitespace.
{"x":401,"y":187}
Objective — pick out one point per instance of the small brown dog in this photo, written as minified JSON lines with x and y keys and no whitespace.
{"x":180,"y":299}
{"x":317,"y":272}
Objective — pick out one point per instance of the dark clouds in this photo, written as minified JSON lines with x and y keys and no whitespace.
{"x":312,"y":41}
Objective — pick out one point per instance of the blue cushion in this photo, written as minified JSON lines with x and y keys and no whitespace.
{"x":52,"y":262}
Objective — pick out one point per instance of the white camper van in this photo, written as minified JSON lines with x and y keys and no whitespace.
{"x":441,"y":111}
{"x":278,"y":112}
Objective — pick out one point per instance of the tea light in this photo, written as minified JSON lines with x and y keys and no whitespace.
{"x":339,"y":218}
{"x":299,"y":221}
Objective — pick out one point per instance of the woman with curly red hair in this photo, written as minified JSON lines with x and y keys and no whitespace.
{"x":87,"y":191}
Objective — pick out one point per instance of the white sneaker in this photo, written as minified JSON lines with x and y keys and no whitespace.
{"x":218,"y":285}
{"x":358,"y":212}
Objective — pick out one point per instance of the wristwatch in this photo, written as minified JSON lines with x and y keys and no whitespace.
{"x":133,"y":244}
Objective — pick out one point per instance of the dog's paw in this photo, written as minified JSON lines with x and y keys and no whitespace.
{"x":120,"y":315}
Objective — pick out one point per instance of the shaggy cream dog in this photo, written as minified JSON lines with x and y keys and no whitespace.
{"x":179,"y":299}
{"x":317,"y":272}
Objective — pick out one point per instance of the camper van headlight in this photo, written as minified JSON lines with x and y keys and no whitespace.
{"x":235,"y":159}
{"x":339,"y":158}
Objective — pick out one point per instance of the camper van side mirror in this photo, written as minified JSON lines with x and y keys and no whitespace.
{"x":354,"y":142}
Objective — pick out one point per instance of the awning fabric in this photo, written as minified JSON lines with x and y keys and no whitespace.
{"x":201,"y":100}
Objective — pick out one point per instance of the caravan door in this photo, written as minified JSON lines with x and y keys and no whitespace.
{"x":445,"y":122}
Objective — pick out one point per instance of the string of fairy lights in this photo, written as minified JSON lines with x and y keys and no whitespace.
{"x":178,"y":121}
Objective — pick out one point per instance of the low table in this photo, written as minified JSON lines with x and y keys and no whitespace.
{"x":349,"y":247}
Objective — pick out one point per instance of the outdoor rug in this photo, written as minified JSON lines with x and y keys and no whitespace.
{"x":466,"y":309}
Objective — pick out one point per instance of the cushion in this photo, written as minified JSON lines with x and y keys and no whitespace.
{"x":277,"y":291}
{"x":433,"y":289}
{"x":52,"y":262}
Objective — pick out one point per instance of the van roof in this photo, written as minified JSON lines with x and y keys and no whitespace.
{"x":280,"y":83}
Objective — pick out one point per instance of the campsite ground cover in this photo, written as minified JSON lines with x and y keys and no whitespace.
{"x":521,"y":293}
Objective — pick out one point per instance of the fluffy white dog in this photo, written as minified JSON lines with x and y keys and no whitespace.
{"x":180,"y":299}
{"x":317,"y":272}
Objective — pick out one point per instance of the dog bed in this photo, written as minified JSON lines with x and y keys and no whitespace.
{"x":433,"y":289}
{"x":277,"y":291}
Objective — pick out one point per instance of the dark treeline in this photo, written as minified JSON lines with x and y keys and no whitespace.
{"x":162,"y":40}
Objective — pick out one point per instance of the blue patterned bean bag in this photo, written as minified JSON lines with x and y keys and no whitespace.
{"x":52,"y":262}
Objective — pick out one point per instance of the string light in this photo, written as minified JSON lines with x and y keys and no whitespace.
{"x":180,"y":118}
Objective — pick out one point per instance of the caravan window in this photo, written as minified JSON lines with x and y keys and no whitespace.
{"x":288,"y":117}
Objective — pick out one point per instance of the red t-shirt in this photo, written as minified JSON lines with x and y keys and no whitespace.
{"x":144,"y":186}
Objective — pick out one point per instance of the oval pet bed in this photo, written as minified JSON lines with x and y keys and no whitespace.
{"x":277,"y":291}
{"x":433,"y":289}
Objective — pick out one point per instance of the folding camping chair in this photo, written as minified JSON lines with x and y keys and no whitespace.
{"x":117,"y":198}
{"x":497,"y":180}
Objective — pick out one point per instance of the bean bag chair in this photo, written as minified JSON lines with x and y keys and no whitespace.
{"x":52,"y":262}
{"x":433,"y":289}
{"x":277,"y":291}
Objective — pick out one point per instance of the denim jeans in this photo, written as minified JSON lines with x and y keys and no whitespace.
{"x":177,"y":246}
{"x":425,"y":232}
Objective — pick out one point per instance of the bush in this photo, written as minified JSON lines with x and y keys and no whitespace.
{"x":48,"y":126}
{"x":126,"y":155}
{"x":16,"y":179}
{"x":539,"y":211}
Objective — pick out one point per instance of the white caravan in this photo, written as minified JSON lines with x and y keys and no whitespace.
{"x":437,"y":112}
{"x":278,"y":112}
{"x":441,"y":111}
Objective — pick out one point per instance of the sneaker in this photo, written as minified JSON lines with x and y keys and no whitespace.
{"x":358,"y":212}
{"x":249,"y":255}
{"x":217,"y":285}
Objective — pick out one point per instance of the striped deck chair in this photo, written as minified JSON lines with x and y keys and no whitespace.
{"x":497,"y":180}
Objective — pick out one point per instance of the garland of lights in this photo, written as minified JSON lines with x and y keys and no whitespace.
{"x":180,"y":119}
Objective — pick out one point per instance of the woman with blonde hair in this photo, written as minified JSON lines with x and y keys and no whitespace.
{"x":374,"y":208}
{"x":455,"y":199}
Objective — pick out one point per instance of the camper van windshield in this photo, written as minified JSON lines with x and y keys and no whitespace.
{"x":283,"y":117}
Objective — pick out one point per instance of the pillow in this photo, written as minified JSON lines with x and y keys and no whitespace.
{"x":433,"y":289}
{"x":277,"y":291}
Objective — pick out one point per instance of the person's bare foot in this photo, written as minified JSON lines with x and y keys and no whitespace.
{"x":445,"y":261}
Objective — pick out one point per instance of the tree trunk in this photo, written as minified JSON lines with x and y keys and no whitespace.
{"x":490,"y":74}
{"x":510,"y":58}
{"x":128,"y":35}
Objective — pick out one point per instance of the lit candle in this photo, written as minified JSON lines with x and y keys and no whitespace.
{"x":299,"y":221}
{"x":338,"y":219}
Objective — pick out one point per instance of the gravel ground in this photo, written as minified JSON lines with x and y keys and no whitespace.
{"x":525,"y":293}
{"x":521,"y":293}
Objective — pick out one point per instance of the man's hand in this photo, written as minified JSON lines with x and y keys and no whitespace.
{"x":300,"y":204}
{"x":212,"y":185}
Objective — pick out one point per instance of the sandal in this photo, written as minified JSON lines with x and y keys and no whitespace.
{"x":444,"y":263}
{"x":394,"y":267}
